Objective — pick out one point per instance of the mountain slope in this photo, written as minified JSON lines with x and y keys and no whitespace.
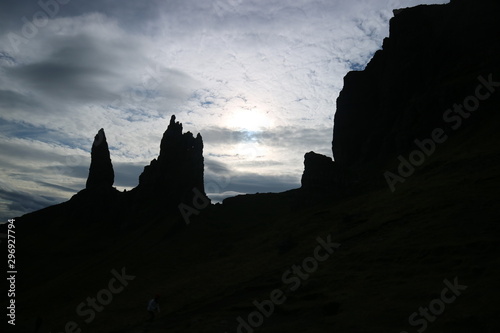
{"x":400,"y":246}
{"x":396,"y":250}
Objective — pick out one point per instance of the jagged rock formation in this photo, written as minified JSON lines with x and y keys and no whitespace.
{"x":179,"y":167}
{"x":101,"y":174}
{"x":175,"y":177}
{"x":430,"y":62}
{"x":319,"y":173}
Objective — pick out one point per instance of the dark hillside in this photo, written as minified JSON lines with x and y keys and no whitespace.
{"x":394,"y":236}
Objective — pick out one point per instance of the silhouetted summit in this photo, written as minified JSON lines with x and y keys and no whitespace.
{"x":101,"y":172}
{"x":179,"y":167}
{"x":431,"y":61}
{"x":175,"y":177}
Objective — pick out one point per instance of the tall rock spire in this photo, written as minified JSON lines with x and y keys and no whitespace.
{"x":179,"y":167}
{"x":101,"y":174}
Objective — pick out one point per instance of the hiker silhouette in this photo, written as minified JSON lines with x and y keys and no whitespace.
{"x":153,"y":306}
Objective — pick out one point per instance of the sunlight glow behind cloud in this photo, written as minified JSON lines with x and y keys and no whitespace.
{"x":258,"y":80}
{"x":250,"y":120}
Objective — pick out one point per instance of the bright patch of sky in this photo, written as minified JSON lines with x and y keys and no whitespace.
{"x":257,"y":79}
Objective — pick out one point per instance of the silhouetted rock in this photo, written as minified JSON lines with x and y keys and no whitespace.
{"x":444,"y":229}
{"x":319,"y":173}
{"x":430,"y":61}
{"x":178,"y":170}
{"x":175,"y":177}
{"x":101,"y":174}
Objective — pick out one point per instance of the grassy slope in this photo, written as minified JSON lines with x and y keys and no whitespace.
{"x":396,"y":251}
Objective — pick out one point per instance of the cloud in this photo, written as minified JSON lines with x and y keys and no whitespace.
{"x":127,"y":66}
{"x":20,"y":203}
{"x":50,"y":78}
{"x":11,"y":100}
{"x":87,"y":67}
{"x":127,"y":174}
{"x":231,"y":184}
{"x":253,"y":183}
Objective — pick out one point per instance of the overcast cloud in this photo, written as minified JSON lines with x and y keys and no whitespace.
{"x":258,"y":80}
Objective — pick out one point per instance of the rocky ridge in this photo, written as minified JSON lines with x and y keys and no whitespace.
{"x":174,"y":178}
{"x":431,"y":61}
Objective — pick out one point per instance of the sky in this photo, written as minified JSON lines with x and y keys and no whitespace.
{"x":258,"y":79}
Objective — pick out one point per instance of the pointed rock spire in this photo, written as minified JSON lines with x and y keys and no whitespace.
{"x":101,"y":172}
{"x":179,"y":167}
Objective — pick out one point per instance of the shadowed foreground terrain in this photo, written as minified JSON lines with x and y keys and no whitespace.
{"x":418,"y":255}
{"x":396,"y":250}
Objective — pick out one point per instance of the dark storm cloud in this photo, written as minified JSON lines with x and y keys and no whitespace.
{"x":78,"y":68}
{"x":11,"y":12}
{"x":6,"y":59}
{"x":212,"y":166}
{"x":64,"y":81}
{"x":132,"y":14}
{"x":69,"y":190}
{"x":13,"y":100}
{"x":27,"y":151}
{"x":20,"y":203}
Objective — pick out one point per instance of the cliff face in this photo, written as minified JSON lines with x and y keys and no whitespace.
{"x":430,"y":62}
